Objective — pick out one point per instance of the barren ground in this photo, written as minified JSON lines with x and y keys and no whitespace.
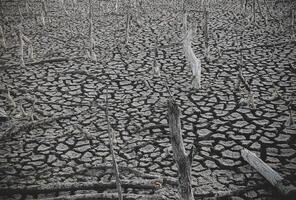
{"x":65,"y":150}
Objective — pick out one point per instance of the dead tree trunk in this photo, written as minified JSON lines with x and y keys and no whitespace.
{"x":205,"y":28}
{"x":111,"y":139}
{"x":283,"y":186}
{"x":182,"y":160}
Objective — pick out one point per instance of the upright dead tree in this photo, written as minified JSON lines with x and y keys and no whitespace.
{"x":193,"y":61}
{"x":183,"y":161}
{"x":116,"y":6}
{"x":241,"y":80}
{"x":205,"y":28}
{"x":28,"y":8}
{"x":254,"y":10}
{"x":156,"y":69}
{"x":20,"y":14}
{"x":63,"y":6}
{"x":111,"y":139}
{"x":127,"y":23}
{"x":261,"y":12}
{"x":2,"y":38}
{"x":1,"y":9}
{"x":21,"y":47}
{"x":43,"y":12}
{"x":184,"y":17}
{"x":293,"y":22}
{"x":91,"y":46}
{"x":30,"y":46}
{"x":22,"y":40}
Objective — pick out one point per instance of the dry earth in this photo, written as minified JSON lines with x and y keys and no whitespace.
{"x":66,"y":149}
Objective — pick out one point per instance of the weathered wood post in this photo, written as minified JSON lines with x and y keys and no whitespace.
{"x":285,"y":188}
{"x":183,"y":161}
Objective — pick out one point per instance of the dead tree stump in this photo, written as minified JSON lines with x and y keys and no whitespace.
{"x":180,"y":156}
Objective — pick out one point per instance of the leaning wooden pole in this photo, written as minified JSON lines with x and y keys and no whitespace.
{"x":283,"y":186}
{"x":183,"y":161}
{"x":111,"y":139}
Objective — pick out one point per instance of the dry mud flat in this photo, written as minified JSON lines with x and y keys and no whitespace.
{"x":66,"y":150}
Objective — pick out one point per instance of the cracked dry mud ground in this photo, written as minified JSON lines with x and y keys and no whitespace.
{"x":62,"y":150}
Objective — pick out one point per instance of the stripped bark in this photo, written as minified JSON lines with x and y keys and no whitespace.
{"x":111,"y":139}
{"x":283,"y":186}
{"x":182,"y":160}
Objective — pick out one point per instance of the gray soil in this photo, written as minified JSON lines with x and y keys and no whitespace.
{"x":64,"y":150}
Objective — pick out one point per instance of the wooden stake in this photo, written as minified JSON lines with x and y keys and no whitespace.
{"x":182,"y":160}
{"x":283,"y":186}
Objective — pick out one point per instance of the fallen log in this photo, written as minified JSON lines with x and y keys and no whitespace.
{"x":265,"y":45}
{"x":162,"y":179}
{"x":153,"y":184}
{"x":107,"y":196}
{"x":225,"y":194}
{"x":18,"y":128}
{"x":182,"y":160}
{"x":38,"y":62}
{"x":285,"y":188}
